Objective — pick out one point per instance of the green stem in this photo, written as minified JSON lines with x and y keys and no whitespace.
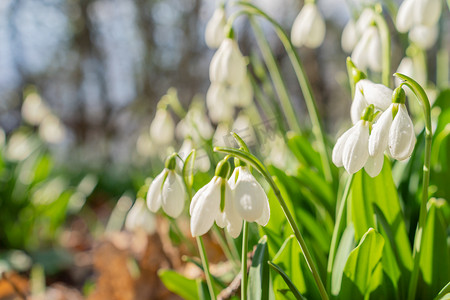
{"x":244,"y":261}
{"x":252,"y":160}
{"x":226,"y":250}
{"x":385,"y":45}
{"x":339,"y":225}
{"x":418,"y":239}
{"x":201,"y":249}
{"x":275,"y":74}
{"x":305,"y":86}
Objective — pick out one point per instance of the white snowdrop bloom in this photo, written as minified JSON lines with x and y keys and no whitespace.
{"x":355,"y":151}
{"x":228,"y":66}
{"x":250,"y":200}
{"x":424,"y":36}
{"x":244,"y":128}
{"x":34,"y":110}
{"x":240,"y":95}
{"x":349,"y":36}
{"x":374,"y":164}
{"x":52,"y":130}
{"x":405,"y":16}
{"x":214,"y":33}
{"x":367,"y":52}
{"x":214,"y":202}
{"x":222,"y":136}
{"x":139,"y":217}
{"x":427,"y":12}
{"x":167,"y":190}
{"x":366,"y":18}
{"x":366,"y":93}
{"x":413,"y":13}
{"x":394,"y":130}
{"x":402,"y":138}
{"x":409,"y":67}
{"x":219,"y":110}
{"x":162,"y":127}
{"x":308,"y":28}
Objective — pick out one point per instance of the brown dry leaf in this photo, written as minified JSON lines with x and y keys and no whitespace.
{"x":13,"y":286}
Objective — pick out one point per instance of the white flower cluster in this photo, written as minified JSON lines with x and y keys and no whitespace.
{"x":228,"y":202}
{"x":362,"y":38}
{"x":230,"y":85}
{"x":420,"y":18}
{"x":364,"y":144}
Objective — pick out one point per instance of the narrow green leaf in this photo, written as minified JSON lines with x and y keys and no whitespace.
{"x":178,"y":284}
{"x":346,"y":245}
{"x":259,"y":275}
{"x":435,"y":257}
{"x":286,"y":279}
{"x":444,"y":293}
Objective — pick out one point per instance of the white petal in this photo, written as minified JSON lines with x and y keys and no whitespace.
{"x":374,"y":164}
{"x":249,"y":196}
{"x":360,"y":55}
{"x":365,"y":20}
{"x":359,"y":104}
{"x":377,"y":94}
{"x":308,"y":28}
{"x":410,"y":150}
{"x":356,"y":153}
{"x":349,"y":37}
{"x":374,"y":53}
{"x":264,"y":219}
{"x":214,"y":33}
{"x":204,"y":208}
{"x":234,"y":220}
{"x":404,"y":20}
{"x":339,"y":148}
{"x":218,"y":108}
{"x":401,"y":134}
{"x":173,"y":195}
{"x":228,"y":65}
{"x":154,"y":192}
{"x":162,"y":129}
{"x":234,"y":177}
{"x":423,"y":36}
{"x":379,"y":137}
{"x":140,"y":217}
{"x":428,"y":12}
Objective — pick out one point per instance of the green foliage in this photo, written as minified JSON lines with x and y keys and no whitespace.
{"x":186,"y":288}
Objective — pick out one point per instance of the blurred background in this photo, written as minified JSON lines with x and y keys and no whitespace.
{"x":79,"y":84}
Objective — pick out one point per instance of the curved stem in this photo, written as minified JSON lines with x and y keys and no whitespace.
{"x":305,"y":86}
{"x":339,"y":224}
{"x":385,"y":44}
{"x":201,"y":249}
{"x":244,"y":261}
{"x":418,"y":239}
{"x":252,"y":160}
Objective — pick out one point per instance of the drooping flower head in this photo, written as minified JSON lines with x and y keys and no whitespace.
{"x":308,"y":28}
{"x":214,"y":33}
{"x":162,"y":128}
{"x":139,"y":218}
{"x":214,"y":202}
{"x":167,"y":190}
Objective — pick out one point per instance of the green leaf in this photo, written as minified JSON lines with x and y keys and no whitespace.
{"x":344,"y":249}
{"x":435,"y":259}
{"x":259,"y":275}
{"x":290,"y":259}
{"x":444,"y":293}
{"x":178,"y":284}
{"x":363,"y":267}
{"x":303,"y":150}
{"x":286,"y":279}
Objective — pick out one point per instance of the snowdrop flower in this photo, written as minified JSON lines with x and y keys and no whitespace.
{"x":365,"y":20}
{"x":394,"y":129}
{"x":349,"y":36}
{"x":219,"y":109}
{"x":167,"y":190}
{"x":215,"y":28}
{"x":424,"y":36}
{"x":195,"y":124}
{"x":201,"y":162}
{"x":367,"y":52}
{"x":139,"y":217}
{"x":215,"y":202}
{"x":240,"y":95}
{"x":228,"y":65}
{"x":418,"y":13}
{"x":250,"y":200}
{"x":242,"y":125}
{"x":162,"y":127}
{"x":409,"y":67}
{"x":366,"y":93}
{"x":351,"y":149}
{"x":222,"y":136}
{"x":308,"y":28}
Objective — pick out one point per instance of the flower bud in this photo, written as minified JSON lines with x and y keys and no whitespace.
{"x":228,"y":66}
{"x":214,"y":33}
{"x":162,"y":127}
{"x":308,"y":28}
